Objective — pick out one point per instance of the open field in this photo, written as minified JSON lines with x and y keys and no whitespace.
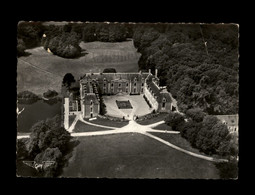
{"x":82,"y":127}
{"x":106,"y":122}
{"x":41,"y":70}
{"x":133,"y":156}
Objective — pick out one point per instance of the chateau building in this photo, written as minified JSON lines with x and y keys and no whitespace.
{"x":92,"y":85}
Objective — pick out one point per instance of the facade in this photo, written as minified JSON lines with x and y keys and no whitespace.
{"x":94,"y":84}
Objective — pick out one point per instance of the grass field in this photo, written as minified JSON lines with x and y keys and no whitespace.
{"x":106,"y":122}
{"x":82,"y":127}
{"x":41,"y":70}
{"x":133,"y":156}
{"x":177,"y":140}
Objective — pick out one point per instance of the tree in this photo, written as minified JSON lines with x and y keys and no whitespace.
{"x":109,"y":70}
{"x":21,"y":48}
{"x":174,"y":120}
{"x":50,"y":94}
{"x":22,"y":149}
{"x":68,"y":80}
{"x":48,"y":133}
{"x":50,"y":154}
{"x":196,"y":114}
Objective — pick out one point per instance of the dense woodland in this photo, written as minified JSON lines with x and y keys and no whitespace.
{"x":198,"y":63}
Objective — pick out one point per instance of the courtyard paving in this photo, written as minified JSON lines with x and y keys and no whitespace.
{"x":140,"y":107}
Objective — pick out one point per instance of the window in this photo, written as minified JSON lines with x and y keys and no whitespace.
{"x":91,"y":109}
{"x":163,"y":105}
{"x":119,"y":84}
{"x":112,"y":84}
{"x":142,"y":84}
{"x":104,"y":84}
{"x":91,"y":102}
{"x":134,"y":84}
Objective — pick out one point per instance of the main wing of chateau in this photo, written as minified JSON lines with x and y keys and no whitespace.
{"x":94,"y":84}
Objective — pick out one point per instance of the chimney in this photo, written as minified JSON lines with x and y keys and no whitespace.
{"x":149,"y":71}
{"x":156,"y":72}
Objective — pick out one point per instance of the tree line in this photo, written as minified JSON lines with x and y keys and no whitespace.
{"x":64,"y":40}
{"x":208,"y":134}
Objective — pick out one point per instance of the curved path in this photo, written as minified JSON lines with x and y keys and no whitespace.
{"x":134,"y":127}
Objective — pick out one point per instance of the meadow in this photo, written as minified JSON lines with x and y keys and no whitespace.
{"x":133,"y":156}
{"x":42,"y":70}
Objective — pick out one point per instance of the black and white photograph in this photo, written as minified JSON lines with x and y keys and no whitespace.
{"x":127,"y":100}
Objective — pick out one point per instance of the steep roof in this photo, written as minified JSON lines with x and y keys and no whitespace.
{"x":166,"y":96}
{"x":89,"y":97}
{"x":116,"y":76}
{"x":158,"y":92}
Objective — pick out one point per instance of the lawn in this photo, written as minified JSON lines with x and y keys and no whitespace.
{"x":133,"y":156}
{"x":152,"y":120}
{"x":82,"y":127}
{"x":41,"y":70}
{"x":177,"y":140}
{"x":163,"y":127}
{"x":106,"y":122}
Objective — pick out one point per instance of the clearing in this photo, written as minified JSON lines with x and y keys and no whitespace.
{"x":41,"y":70}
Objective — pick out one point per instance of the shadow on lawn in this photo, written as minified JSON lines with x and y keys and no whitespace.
{"x":68,"y":154}
{"x":25,"y":54}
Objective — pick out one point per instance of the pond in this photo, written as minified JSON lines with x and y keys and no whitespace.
{"x":32,"y":113}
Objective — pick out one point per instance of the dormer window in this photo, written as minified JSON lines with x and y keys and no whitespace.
{"x":164,"y":103}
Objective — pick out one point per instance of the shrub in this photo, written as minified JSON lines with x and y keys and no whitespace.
{"x":174,"y":120}
{"x":50,"y":94}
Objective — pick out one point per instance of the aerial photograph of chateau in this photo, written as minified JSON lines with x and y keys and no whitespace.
{"x":127,"y":100}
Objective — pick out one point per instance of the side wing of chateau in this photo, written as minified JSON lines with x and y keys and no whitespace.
{"x":93,"y":85}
